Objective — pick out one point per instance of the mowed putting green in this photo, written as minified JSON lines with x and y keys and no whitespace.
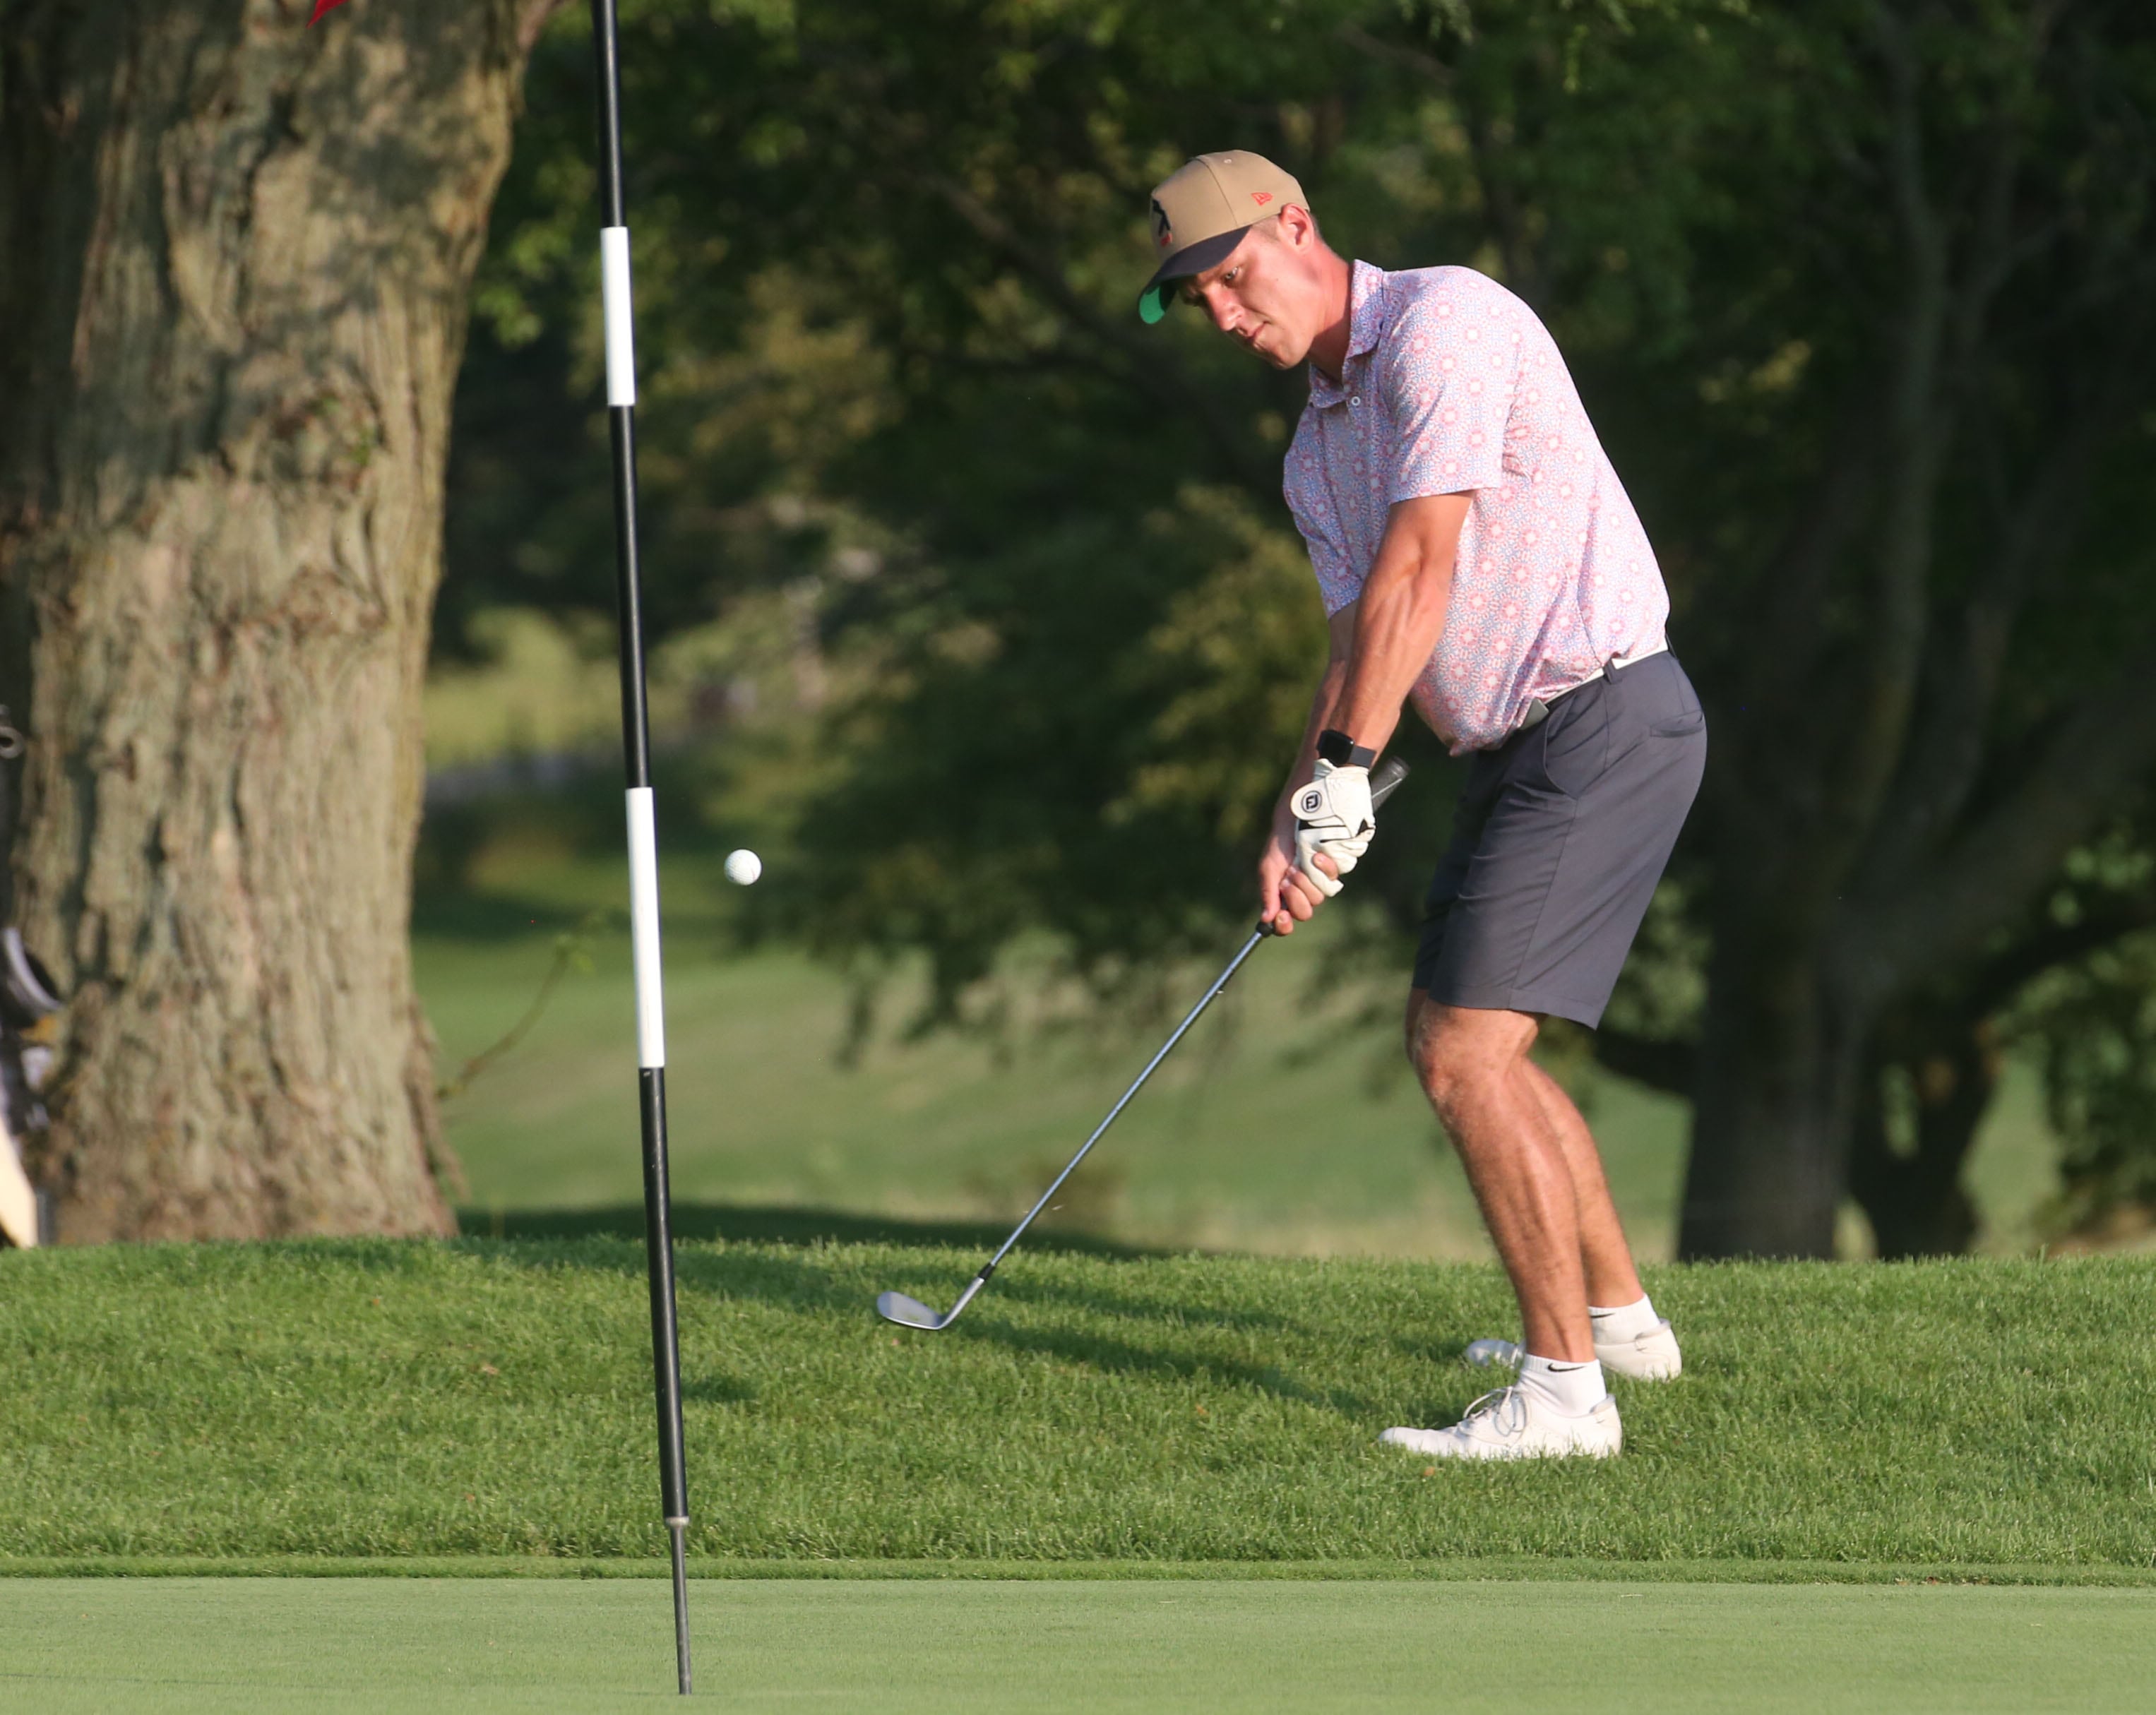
{"x":330,"y":1645}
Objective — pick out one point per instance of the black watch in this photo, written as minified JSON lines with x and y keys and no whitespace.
{"x":1337,"y":748}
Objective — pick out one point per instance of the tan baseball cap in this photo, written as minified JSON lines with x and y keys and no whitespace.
{"x":1200,"y":212}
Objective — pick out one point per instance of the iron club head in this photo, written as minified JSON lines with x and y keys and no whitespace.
{"x":907,"y":1313}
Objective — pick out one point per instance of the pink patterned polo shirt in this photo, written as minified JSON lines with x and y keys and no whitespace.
{"x":1452,"y":385}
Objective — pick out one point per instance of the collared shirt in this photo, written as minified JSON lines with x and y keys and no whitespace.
{"x":1452,"y":385}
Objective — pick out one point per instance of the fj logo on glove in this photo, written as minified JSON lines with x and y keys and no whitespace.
{"x":1313,"y":801}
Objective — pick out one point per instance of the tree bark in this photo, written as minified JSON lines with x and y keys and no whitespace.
{"x":235,"y":256}
{"x":1775,"y":1088}
{"x":1910,"y":1185}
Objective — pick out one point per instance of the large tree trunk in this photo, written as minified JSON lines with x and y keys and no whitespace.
{"x":1911,"y":1142}
{"x":234,"y":261}
{"x":1775,"y":1095}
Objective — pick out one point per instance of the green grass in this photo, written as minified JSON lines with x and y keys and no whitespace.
{"x":360,"y":1399}
{"x":1238,"y":1143}
{"x":1229,"y":1147}
{"x":180,"y":1646}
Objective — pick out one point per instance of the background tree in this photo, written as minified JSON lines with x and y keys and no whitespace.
{"x":1860,"y":293}
{"x":235,"y":262}
{"x":1927,"y":663}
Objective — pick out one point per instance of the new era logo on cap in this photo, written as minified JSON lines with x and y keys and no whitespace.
{"x":1200,"y":212}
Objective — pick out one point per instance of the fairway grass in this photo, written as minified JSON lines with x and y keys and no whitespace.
{"x":176,"y":1646}
{"x":404,"y":1400}
{"x":1235,"y":1143}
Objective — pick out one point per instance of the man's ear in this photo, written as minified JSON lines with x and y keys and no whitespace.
{"x":1297,"y":226}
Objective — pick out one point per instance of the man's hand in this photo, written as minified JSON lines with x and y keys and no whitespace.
{"x":1286,"y":895}
{"x":1332,"y":817}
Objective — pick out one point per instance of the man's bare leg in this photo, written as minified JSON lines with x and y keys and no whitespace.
{"x":1611,"y":1278}
{"x":1474,"y":1067}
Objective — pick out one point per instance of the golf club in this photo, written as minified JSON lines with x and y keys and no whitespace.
{"x":911,"y":1313}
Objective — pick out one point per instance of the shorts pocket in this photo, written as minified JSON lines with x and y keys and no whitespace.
{"x":1575,"y":747}
{"x":1679,"y":726}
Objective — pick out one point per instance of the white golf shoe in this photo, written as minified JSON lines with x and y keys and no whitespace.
{"x":1511,"y":1423}
{"x":1651,"y":1357}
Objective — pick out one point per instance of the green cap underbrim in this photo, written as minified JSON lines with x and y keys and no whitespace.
{"x":1194,"y":258}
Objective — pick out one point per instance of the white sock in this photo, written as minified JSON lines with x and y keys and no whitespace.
{"x":1571,"y":1390}
{"x":1627,"y":1321}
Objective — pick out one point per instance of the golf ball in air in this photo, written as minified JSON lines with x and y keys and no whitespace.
{"x":743,"y":867}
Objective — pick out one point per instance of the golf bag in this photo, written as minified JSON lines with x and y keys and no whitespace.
{"x":28,"y":998}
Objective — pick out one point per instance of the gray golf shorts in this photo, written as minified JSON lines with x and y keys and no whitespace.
{"x":1561,"y":834}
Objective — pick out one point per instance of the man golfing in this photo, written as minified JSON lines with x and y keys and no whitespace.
{"x":1478,"y":558}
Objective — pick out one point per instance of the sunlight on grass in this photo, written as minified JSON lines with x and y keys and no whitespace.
{"x":380,"y":1399}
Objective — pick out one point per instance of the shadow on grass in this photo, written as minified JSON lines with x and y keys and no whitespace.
{"x":1154,"y":1308}
{"x":1124,"y":1357}
{"x":702,"y":1222}
{"x":716,"y":1390}
{"x":1157,"y":1340}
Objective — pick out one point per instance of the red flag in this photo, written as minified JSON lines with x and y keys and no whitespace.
{"x":320,"y":7}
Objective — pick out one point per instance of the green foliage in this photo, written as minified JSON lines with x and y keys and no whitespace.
{"x":2099,"y":1042}
{"x":1857,"y":292}
{"x":2093,"y":1025}
{"x":1015,"y":740}
{"x":887,"y":262}
{"x":2080,"y":984}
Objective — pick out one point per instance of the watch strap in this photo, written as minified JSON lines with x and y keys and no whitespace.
{"x":1337,"y":748}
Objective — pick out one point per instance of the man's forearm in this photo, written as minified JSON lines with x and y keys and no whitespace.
{"x":1398,"y":624}
{"x":1324,"y":706}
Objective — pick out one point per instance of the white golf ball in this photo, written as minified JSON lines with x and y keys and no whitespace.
{"x":743,"y":867}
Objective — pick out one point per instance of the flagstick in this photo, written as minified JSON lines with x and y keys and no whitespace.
{"x":643,"y":868}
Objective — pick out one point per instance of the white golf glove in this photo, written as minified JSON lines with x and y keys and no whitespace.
{"x":1332,"y":814}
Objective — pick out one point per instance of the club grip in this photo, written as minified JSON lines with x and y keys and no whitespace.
{"x":1386,"y":779}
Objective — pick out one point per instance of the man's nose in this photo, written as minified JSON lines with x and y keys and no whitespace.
{"x":1225,"y":311}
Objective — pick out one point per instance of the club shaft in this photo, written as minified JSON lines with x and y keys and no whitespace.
{"x":1219,"y":983}
{"x":1384,"y":782}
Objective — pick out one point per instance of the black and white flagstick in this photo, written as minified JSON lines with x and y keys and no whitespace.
{"x":643,"y":842}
